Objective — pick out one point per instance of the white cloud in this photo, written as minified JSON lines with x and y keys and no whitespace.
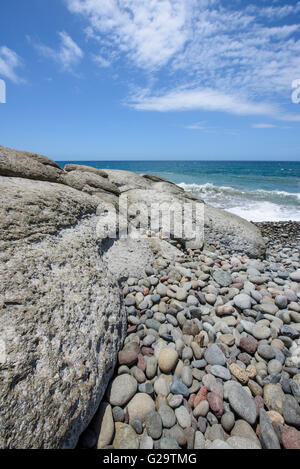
{"x":100,"y":61}
{"x":9,"y":62}
{"x":68,"y":55}
{"x":150,"y":33}
{"x":289,"y":117}
{"x":243,"y":58}
{"x":228,"y":56}
{"x":274,"y":12}
{"x":205,"y":99}
{"x":264,"y":126}
{"x":202,"y":127}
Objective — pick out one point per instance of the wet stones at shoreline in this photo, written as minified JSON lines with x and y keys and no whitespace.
{"x":212,"y":353}
{"x":286,"y":232}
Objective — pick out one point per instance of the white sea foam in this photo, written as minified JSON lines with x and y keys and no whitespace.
{"x":258,"y":205}
{"x":210,"y":189}
{"x":266,"y":211}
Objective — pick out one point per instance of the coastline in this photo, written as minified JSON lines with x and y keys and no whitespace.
{"x":283,"y":233}
{"x":256,"y":191}
{"x":184,"y":343}
{"x":211,"y":359}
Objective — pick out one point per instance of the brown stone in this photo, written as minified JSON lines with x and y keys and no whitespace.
{"x":148,"y":351}
{"x":201,"y":396}
{"x":259,"y":402}
{"x":251,"y":371}
{"x":141,"y":362}
{"x":249,"y":344}
{"x":131,"y":329}
{"x":275,"y":417}
{"x":291,"y":438}
{"x":216,"y":404}
{"x":127,"y":357}
{"x":239,"y":373}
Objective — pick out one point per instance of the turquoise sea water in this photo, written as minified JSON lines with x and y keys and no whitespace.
{"x":257,"y":191}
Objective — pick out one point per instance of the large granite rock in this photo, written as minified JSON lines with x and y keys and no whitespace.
{"x":30,"y":210}
{"x":126,"y":180}
{"x":85,"y":169}
{"x":142,"y":192}
{"x":235,"y":233}
{"x":28,"y":165}
{"x":61,"y":321}
{"x":89,"y":182}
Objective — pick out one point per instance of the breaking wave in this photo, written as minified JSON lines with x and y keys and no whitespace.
{"x":257,"y":205}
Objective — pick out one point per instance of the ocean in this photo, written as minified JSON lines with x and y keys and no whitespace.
{"x":256,"y":191}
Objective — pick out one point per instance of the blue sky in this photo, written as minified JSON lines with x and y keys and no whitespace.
{"x":162,"y":79}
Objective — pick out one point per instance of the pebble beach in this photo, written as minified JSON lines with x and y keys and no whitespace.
{"x":212,"y":354}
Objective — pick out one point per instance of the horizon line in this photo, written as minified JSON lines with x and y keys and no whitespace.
{"x":183,"y":160}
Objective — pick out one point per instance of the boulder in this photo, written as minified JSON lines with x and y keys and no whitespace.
{"x":230,"y":230}
{"x":31,"y":210}
{"x":126,"y":180}
{"x":62,"y":322}
{"x":89,"y":182}
{"x":234,"y":232}
{"x":85,"y":169}
{"x":23,"y":164}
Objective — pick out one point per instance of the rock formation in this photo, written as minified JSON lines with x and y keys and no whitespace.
{"x":62,"y":320}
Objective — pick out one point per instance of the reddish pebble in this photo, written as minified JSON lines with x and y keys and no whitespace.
{"x":131,"y":329}
{"x":245,"y":358}
{"x":201,"y":396}
{"x":164,"y":278}
{"x":141,"y":362}
{"x":291,"y":438}
{"x":249,"y":344}
{"x":216,"y":404}
{"x":148,"y":351}
{"x":127,"y":357}
{"x":146,"y":291}
{"x":259,"y":402}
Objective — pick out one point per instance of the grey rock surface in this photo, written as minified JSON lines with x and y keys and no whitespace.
{"x":234,"y":232}
{"x":242,"y":403}
{"x":62,"y":320}
{"x":267,"y":435}
{"x":24,"y":164}
{"x":83,"y":168}
{"x":89,"y":182}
